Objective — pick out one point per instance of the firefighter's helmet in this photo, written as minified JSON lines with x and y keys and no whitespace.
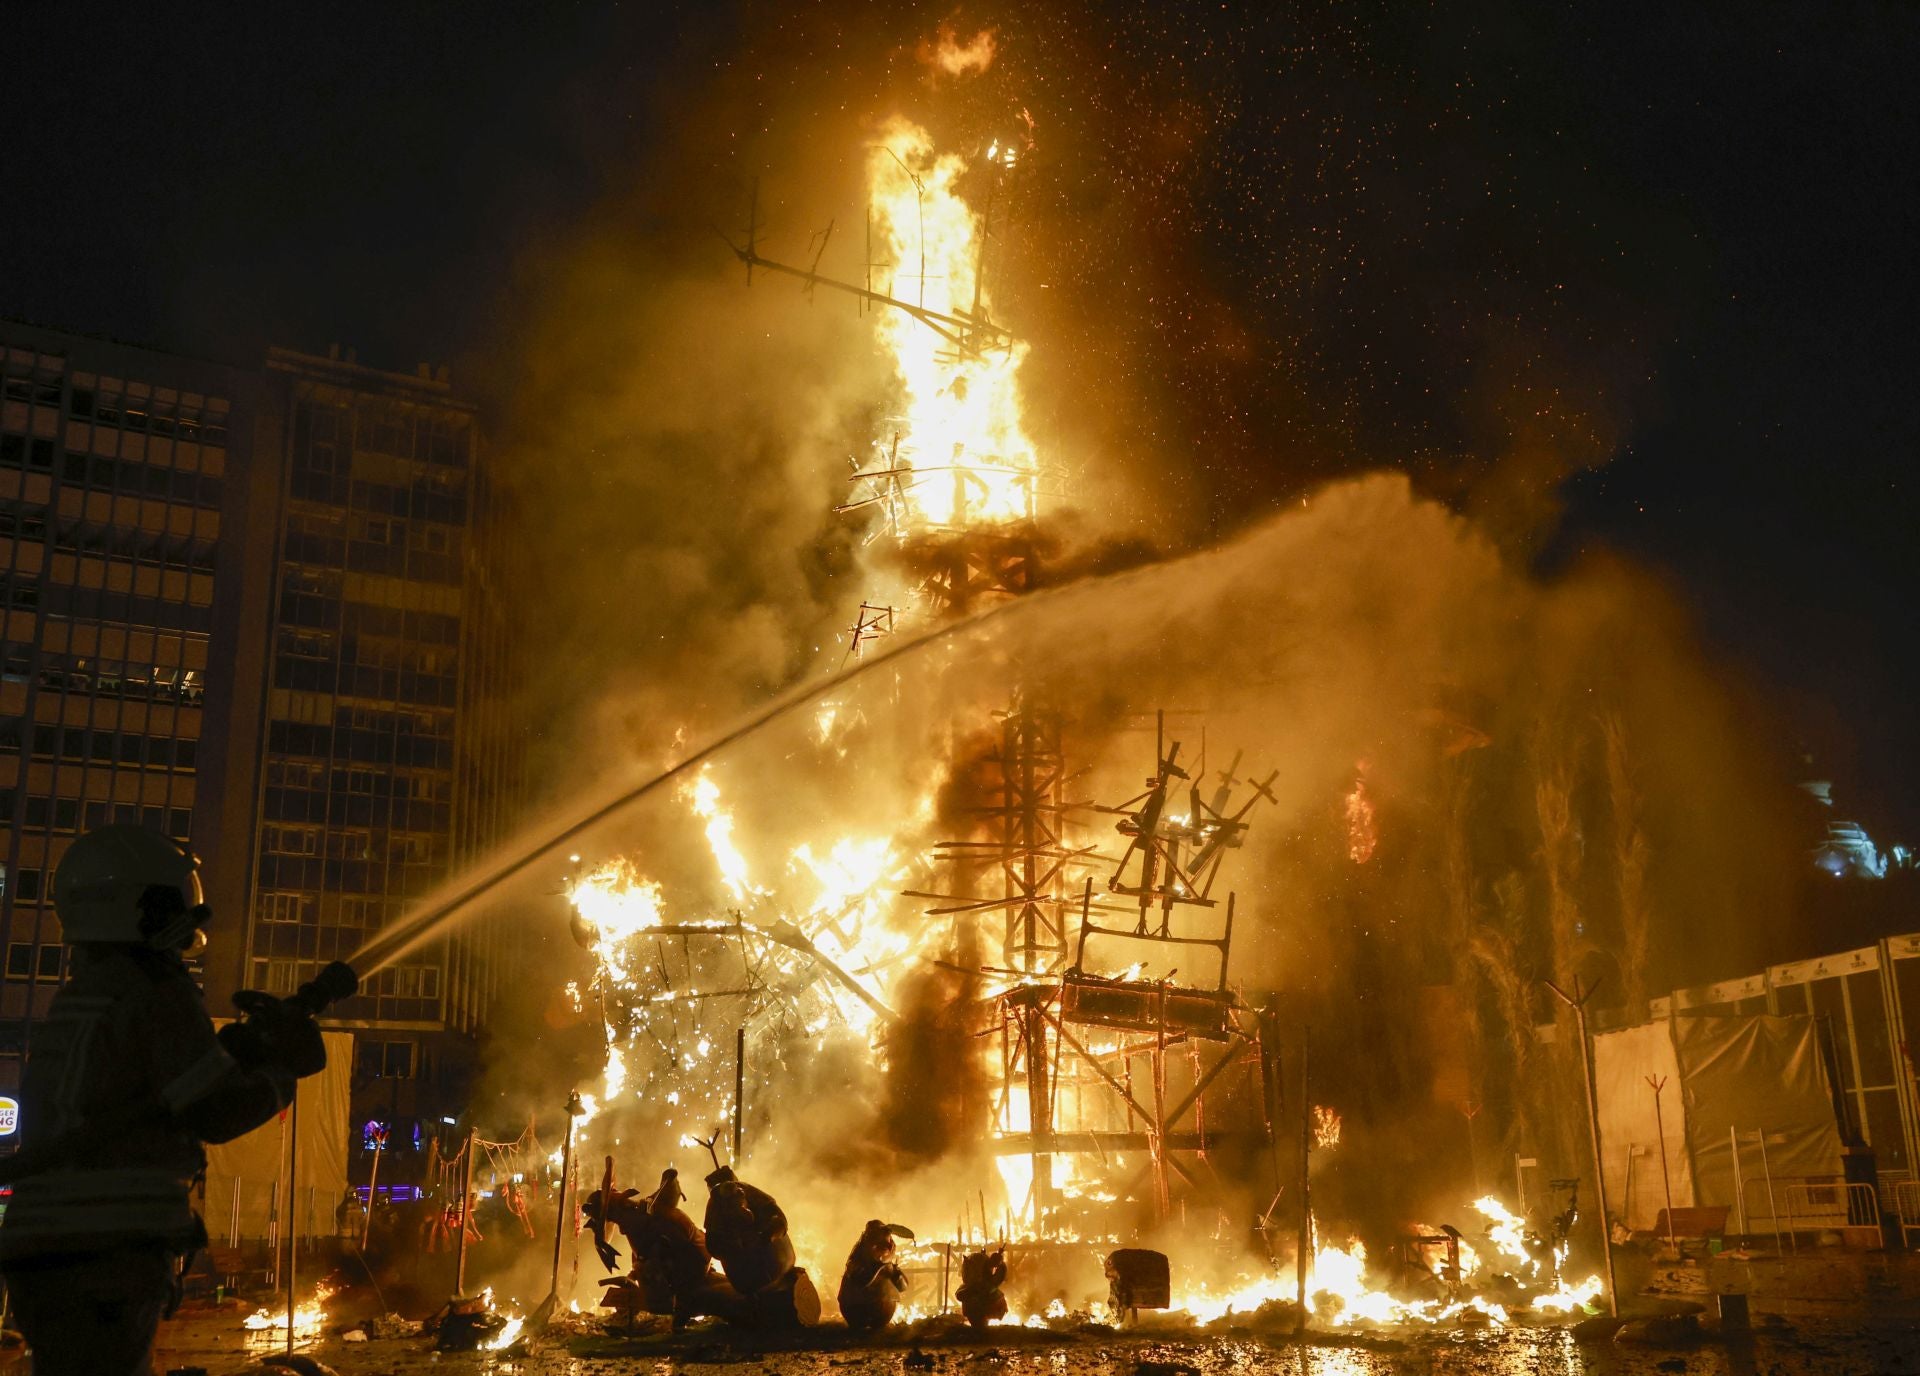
{"x":127,"y":884}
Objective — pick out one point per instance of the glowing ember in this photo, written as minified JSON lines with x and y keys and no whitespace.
{"x":1326,"y":1127}
{"x":1362,"y":836}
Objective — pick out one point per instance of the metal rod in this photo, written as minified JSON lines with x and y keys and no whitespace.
{"x":1659,"y":1083}
{"x":1579,"y":1005}
{"x":1739,"y":1188}
{"x":466,"y":1206}
{"x":1772,"y":1208}
{"x":1306,"y":1207}
{"x":739,"y":1087}
{"x":293,"y":1166}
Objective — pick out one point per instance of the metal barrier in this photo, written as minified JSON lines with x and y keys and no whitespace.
{"x":1805,"y":1204}
{"x":1906,"y":1203}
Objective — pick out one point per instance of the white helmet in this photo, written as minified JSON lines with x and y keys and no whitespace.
{"x":126,"y":884}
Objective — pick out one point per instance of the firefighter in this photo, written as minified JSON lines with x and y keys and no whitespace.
{"x":126,"y":1080}
{"x":871,"y":1286}
{"x":747,"y":1234}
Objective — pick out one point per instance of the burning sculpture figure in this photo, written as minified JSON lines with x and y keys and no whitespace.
{"x":126,"y":1083}
{"x":982,"y":1274}
{"x":873,"y":1282}
{"x":671,"y":1271}
{"x":747,"y":1234}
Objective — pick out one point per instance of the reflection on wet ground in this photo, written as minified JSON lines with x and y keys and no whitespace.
{"x":1816,"y":1348}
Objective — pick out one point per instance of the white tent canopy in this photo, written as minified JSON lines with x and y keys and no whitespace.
{"x":1746,"y":1073}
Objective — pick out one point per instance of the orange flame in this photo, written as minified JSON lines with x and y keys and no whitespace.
{"x":948,"y":54}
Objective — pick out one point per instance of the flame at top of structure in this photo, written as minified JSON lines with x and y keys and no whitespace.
{"x":960,"y":455}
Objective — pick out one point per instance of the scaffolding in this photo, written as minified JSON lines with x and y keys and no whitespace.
{"x":1132,"y":1085}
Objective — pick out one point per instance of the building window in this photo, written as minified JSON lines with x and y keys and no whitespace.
{"x":276,"y":976}
{"x":284,"y":907}
{"x":23,"y":963}
{"x":395,"y":1060}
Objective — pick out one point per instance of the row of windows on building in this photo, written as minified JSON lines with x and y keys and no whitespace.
{"x":120,"y":477}
{"x":140,"y":408}
{"x":39,"y":812}
{"x":402,"y":877}
{"x":288,"y":773}
{"x":396,"y":431}
{"x":362,"y":747}
{"x":323,"y":537}
{"x":96,"y":606}
{"x":421,"y":982}
{"x":418,"y":849}
{"x":354,"y":810}
{"x":97,"y":745}
{"x":367,"y":650}
{"x":297,"y":908}
{"x":433,"y":497}
{"x":110,"y":678}
{"x":27,"y":523}
{"x":313,"y":600}
{"x":305,"y":675}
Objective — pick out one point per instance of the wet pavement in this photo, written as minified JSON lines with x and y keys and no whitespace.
{"x":1811,"y":1346}
{"x":1817,"y":1314}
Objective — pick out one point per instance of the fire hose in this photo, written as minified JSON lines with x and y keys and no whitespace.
{"x":266,"y":1019}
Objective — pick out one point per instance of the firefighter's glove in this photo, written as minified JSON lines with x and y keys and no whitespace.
{"x":300,"y":1047}
{"x":277,"y":1032}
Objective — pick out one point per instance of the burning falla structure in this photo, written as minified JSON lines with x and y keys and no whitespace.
{"x":1009,"y":996}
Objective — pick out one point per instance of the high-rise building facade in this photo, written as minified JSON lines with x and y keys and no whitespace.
{"x":256,"y":609}
{"x":368,"y":747}
{"x":115,"y":466}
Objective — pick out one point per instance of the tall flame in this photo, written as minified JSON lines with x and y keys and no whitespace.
{"x":962,"y":456}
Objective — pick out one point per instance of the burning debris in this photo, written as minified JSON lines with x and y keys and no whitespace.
{"x":309,"y":1318}
{"x":474,"y":1324}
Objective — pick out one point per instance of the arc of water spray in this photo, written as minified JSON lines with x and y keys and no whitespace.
{"x":385,"y":947}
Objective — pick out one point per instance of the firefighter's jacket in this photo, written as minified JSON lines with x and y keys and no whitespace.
{"x":127,"y":1064}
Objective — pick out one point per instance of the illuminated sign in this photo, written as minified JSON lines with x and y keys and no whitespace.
{"x":9,"y":1117}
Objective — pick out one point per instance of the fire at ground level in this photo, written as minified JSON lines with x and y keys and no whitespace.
{"x":1816,"y":1312}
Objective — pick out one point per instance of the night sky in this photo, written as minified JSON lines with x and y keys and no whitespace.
{"x":1649,"y":262}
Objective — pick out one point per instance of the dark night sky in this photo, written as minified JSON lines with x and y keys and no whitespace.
{"x":1692,"y":225}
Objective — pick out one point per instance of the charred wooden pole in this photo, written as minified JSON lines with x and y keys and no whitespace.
{"x":293,"y":1177}
{"x":1306,"y":1207}
{"x":574,"y":1110}
{"x":466,"y":1219}
{"x":739,"y":1087}
{"x":1577,"y":1001}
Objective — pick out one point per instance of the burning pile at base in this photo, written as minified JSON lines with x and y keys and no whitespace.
{"x":309,"y":1318}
